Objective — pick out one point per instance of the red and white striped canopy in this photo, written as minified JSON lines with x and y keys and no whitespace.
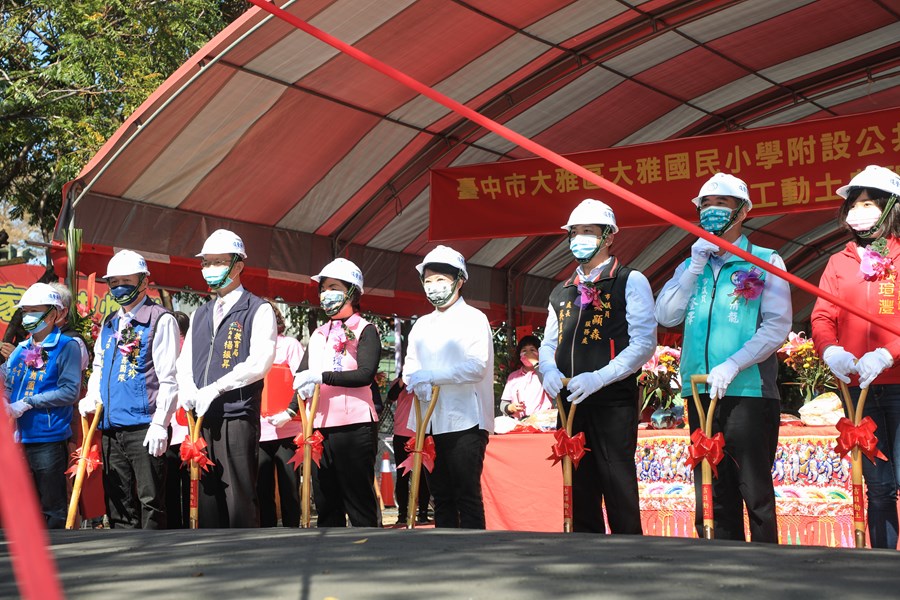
{"x":308,"y":154}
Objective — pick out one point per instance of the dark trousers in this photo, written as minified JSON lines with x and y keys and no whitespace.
{"x":401,"y":485}
{"x":456,"y":480}
{"x":607,"y":474}
{"x":228,"y":489}
{"x":178,"y":488}
{"x":273,"y":462}
{"x":47,"y":461}
{"x":344,"y":482}
{"x":134,"y":482}
{"x":750,"y":428}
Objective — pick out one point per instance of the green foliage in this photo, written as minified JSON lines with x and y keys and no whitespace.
{"x":72,"y":72}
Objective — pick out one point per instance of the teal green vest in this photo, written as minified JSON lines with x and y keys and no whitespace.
{"x":717,"y":324}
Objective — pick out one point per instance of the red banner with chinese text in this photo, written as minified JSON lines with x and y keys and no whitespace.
{"x":789,"y":168}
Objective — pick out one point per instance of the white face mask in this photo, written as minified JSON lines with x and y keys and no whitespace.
{"x":863,"y":218}
{"x":440,"y":292}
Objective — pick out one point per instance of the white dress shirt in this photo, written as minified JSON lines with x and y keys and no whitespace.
{"x":260,"y":358}
{"x":775,"y":309}
{"x":456,"y":345}
{"x":641,"y":329}
{"x":164,"y":351}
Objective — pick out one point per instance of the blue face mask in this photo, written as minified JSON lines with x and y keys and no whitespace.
{"x":125,"y":294}
{"x":584,"y":247}
{"x":34,"y":322}
{"x":716,"y":219}
{"x":217,"y":276}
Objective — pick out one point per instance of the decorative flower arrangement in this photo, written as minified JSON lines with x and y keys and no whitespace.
{"x":127,"y":340}
{"x":590,"y":295}
{"x":748,"y":285}
{"x":344,"y":336}
{"x":813,"y":376}
{"x":875,"y":264}
{"x":659,"y":377}
{"x":35,"y":357}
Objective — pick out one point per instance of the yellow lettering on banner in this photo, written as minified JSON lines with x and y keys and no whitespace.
{"x":801,"y":151}
{"x":540,"y":181}
{"x":769,"y":154}
{"x":466,"y":189}
{"x":678,"y":166}
{"x":707,"y":162}
{"x":648,"y":170}
{"x":895,"y":142}
{"x":869,"y":138}
{"x":9,"y":295}
{"x":830,"y":185}
{"x":515,"y":185}
{"x":491,"y":187}
{"x":621,"y":173}
{"x":597,"y":169}
{"x":794,"y":190}
{"x":737,"y":159}
{"x":760,"y":189}
{"x":566,"y":181}
{"x":835,"y":145}
{"x":886,"y":288}
{"x":885,"y":307}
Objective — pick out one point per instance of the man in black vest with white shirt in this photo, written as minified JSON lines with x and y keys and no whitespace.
{"x":229,"y":349}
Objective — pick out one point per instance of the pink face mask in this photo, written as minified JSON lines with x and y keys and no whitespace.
{"x":527,"y":360}
{"x":863,"y":218}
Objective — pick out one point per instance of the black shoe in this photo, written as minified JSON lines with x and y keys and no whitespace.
{"x":422,"y":519}
{"x":401,"y":521}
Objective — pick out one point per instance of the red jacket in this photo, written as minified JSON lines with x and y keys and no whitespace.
{"x":834,"y":326}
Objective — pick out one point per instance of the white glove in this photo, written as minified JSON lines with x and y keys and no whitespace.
{"x":305,"y":382}
{"x":186,"y":401}
{"x":156,"y":440}
{"x":871,"y":364}
{"x":700,"y":253}
{"x":583,"y":385}
{"x":552,"y":381}
{"x":420,"y":376}
{"x":720,"y":377}
{"x":88,"y":405}
{"x":422,"y":391}
{"x":841,"y":362}
{"x":281,"y":419}
{"x":204,"y":399}
{"x":17,"y":409}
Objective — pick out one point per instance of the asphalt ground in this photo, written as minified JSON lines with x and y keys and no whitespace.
{"x":427,"y":563}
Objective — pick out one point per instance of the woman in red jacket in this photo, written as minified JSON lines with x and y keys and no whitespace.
{"x":858,"y":352}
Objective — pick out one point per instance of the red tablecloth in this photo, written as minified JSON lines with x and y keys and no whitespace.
{"x":523,"y":492}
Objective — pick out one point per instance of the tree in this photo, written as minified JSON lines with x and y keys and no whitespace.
{"x":72,"y":72}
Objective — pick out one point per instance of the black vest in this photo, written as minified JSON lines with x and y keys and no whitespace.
{"x":591,"y":336}
{"x":216,"y":353}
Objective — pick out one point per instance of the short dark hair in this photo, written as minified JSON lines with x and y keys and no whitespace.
{"x":528,"y":340}
{"x":891,"y":225}
{"x":443,"y":269}
{"x":184,"y":322}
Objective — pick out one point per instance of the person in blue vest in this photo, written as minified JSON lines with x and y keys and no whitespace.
{"x":43,"y":382}
{"x":229,"y":348}
{"x":735,"y":317}
{"x":600,"y":331}
{"x":133,"y":376}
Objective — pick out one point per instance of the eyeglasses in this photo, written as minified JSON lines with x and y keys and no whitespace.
{"x":219,"y":262}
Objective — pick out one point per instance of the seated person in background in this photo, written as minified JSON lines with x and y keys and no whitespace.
{"x":523,"y":395}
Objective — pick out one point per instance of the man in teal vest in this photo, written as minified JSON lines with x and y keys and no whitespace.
{"x":735,"y":317}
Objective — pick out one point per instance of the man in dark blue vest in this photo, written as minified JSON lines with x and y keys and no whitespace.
{"x":600,"y":331}
{"x":133,"y":376}
{"x":229,"y":348}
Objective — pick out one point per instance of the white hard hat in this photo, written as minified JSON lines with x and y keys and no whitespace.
{"x":592,"y":212}
{"x":723,"y":184}
{"x":222,"y":241}
{"x":126,"y":262}
{"x":444,"y":255}
{"x":40,"y":294}
{"x":875,"y":177}
{"x":343,"y":269}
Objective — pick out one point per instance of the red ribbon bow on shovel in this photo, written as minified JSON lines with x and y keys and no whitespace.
{"x":428,"y":454}
{"x":710,"y":448}
{"x":862,"y":435}
{"x":573,"y":447}
{"x":195,"y":451}
{"x":91,"y":462}
{"x":315,"y":447}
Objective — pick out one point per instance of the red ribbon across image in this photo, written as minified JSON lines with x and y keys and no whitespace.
{"x":195,"y":451}
{"x":314,"y":442}
{"x":573,"y":447}
{"x":427,"y":451}
{"x":92,"y":461}
{"x":710,"y":448}
{"x":862,"y":435}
